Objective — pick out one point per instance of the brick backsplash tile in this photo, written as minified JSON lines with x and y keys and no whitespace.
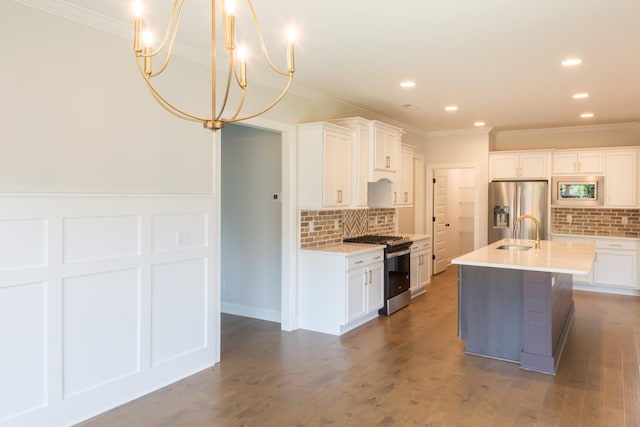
{"x":599,"y":222}
{"x":350,"y":223}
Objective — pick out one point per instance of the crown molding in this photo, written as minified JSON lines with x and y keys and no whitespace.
{"x":484,"y":131}
{"x":572,"y":129}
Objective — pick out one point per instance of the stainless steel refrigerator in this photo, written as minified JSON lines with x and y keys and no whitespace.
{"x":510,"y":199}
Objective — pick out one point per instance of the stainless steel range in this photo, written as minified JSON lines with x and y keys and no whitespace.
{"x":396,"y":269}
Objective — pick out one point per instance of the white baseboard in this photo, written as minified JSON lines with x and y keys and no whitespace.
{"x":252,"y":312}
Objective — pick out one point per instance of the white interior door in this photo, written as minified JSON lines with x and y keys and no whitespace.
{"x":440,"y":222}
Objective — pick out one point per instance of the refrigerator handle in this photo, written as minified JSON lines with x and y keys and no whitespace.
{"x":518,"y":206}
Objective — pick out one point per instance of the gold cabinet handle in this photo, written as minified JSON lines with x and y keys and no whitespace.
{"x":406,"y":197}
{"x":388,"y":165}
{"x":395,"y":197}
{"x":339,"y":195}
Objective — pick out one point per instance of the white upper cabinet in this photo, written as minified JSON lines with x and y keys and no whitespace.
{"x":519,"y":165}
{"x":578,"y":162}
{"x":385,"y":152}
{"x":324,"y":166}
{"x":621,"y":178}
{"x":403,"y":186}
{"x":360,"y":159}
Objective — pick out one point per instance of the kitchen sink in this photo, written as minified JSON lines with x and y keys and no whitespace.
{"x":515,"y":247}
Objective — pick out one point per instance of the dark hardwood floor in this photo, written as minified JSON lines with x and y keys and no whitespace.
{"x":403,"y":370}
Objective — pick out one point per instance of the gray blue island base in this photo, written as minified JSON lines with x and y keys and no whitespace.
{"x":521,"y":316}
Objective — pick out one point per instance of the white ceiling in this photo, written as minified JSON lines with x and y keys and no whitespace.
{"x":497,"y":60}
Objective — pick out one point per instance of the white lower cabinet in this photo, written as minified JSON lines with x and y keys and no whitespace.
{"x":364,"y":291}
{"x":615,"y":268}
{"x":420,"y":260}
{"x":339,"y":289}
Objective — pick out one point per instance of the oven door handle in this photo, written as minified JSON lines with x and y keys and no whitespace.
{"x":397,"y":254}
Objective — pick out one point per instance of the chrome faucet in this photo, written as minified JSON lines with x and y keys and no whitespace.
{"x":532,"y":218}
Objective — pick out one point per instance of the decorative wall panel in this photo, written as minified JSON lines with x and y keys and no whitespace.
{"x":92,"y":238}
{"x":23,"y":243}
{"x":77,"y":273}
{"x":179,"y":231}
{"x":23,"y":338}
{"x":175,"y":331}
{"x":101,"y":329}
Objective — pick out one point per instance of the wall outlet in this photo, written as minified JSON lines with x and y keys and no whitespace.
{"x":182,"y":239}
{"x":336,"y":224}
{"x":625,"y":220}
{"x":569,"y":218}
{"x":311,"y":226}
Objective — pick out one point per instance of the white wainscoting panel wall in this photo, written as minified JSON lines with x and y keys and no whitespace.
{"x":103,"y":298}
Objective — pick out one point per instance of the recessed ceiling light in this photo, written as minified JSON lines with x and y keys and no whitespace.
{"x":409,"y":106}
{"x":479,"y":124}
{"x":571,"y":62}
{"x":581,"y":95}
{"x":408,"y":84}
{"x":451,"y":108}
{"x":586,"y":115}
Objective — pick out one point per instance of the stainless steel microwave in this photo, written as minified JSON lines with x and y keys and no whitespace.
{"x":577,"y":191}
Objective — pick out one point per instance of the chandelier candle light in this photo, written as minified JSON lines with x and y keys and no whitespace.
{"x":237,"y":61}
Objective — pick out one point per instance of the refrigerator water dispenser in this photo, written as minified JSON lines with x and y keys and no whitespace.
{"x":501,"y":216}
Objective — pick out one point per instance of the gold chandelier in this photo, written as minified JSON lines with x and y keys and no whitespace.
{"x":237,"y":61}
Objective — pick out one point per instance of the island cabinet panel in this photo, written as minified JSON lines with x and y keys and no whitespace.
{"x":517,"y":315}
{"x":490,"y":312}
{"x":548,"y":310}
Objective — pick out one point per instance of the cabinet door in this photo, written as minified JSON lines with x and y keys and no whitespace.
{"x":414,"y":276}
{"x":405,"y":197}
{"x":375,"y":288}
{"x":361,"y":168}
{"x":533,"y":166}
{"x":504,"y":166}
{"x":336,"y":169}
{"x":356,"y":303}
{"x":591,"y":163}
{"x":386,"y":150}
{"x":425,"y":268}
{"x":565,"y":163}
{"x":617,"y":268}
{"x":621,"y":180}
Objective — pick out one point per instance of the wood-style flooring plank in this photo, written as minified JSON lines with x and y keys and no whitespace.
{"x":408,"y":369}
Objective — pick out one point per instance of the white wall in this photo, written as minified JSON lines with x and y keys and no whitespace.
{"x":461,"y":149}
{"x":77,"y":116}
{"x":251,"y":222}
{"x":616,"y":135}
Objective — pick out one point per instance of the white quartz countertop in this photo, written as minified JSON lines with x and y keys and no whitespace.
{"x":552,"y":256}
{"x":345,"y":248}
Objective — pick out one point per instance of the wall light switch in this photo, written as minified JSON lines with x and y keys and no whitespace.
{"x":625,"y":220}
{"x":310,"y":225}
{"x":569,"y":218}
{"x":182,"y":239}
{"x":336,"y":224}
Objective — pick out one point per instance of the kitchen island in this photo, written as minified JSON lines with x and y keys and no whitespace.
{"x":515,"y":301}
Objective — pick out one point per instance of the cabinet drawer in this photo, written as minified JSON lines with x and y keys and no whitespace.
{"x":355,"y":261}
{"x":420,"y":245}
{"x":629,"y":245}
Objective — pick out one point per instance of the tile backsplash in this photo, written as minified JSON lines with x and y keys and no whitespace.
{"x":318,"y":228}
{"x":596,"y":222}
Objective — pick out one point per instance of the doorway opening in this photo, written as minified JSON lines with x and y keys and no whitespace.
{"x":251,"y":222}
{"x":454,"y":212}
